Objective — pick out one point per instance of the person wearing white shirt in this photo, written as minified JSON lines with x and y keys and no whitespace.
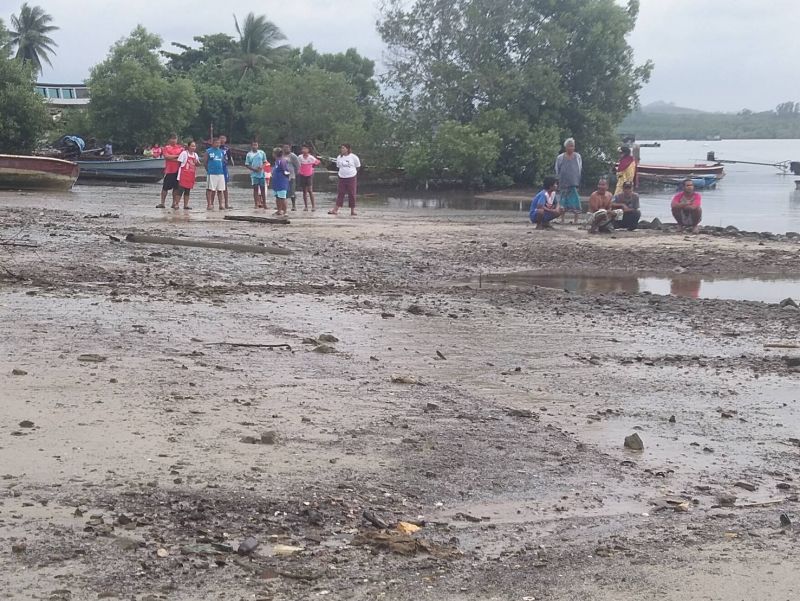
{"x":348,"y":165}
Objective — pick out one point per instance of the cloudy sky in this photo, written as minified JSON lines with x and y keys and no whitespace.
{"x":710,"y":54}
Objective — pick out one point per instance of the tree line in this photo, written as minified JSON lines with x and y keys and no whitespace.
{"x":781,"y":123}
{"x":476,"y":92}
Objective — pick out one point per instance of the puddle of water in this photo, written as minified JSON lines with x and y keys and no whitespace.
{"x":766,"y":290}
{"x":462,"y":202}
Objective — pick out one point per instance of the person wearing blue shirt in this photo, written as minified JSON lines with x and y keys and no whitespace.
{"x":255,"y":161}
{"x":214,"y":161}
{"x":544,"y":206}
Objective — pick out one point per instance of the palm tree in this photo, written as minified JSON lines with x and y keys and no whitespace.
{"x":256,"y":46}
{"x":29,"y":35}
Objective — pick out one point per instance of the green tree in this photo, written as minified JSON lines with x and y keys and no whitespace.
{"x":134,"y":100}
{"x":358,"y":70}
{"x":310,"y":106}
{"x":24,"y":117}
{"x":256,"y":49}
{"x":562,"y":66}
{"x":30,"y":36}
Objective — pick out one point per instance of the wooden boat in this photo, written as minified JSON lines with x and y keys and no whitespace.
{"x":123,"y":170}
{"x":36,"y":173}
{"x":682,"y":171}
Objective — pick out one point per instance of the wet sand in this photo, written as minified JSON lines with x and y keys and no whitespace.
{"x":493,"y":417}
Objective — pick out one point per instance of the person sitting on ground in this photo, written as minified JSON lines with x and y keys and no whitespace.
{"x":686,"y":207}
{"x":544,"y":206}
{"x":601,"y":215}
{"x":628,"y":201}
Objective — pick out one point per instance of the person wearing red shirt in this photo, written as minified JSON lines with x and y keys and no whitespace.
{"x":686,"y":207}
{"x":172,"y":150}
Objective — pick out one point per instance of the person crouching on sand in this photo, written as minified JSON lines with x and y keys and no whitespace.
{"x":544,"y":206}
{"x":686,"y":207}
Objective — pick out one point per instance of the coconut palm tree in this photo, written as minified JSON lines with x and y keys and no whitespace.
{"x":29,"y":35}
{"x":256,"y":47}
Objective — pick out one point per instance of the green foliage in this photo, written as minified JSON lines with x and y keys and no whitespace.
{"x":29,"y":36}
{"x":359,"y":71}
{"x":312,"y":105}
{"x":23,"y":118}
{"x":551,"y":66}
{"x":256,"y":50}
{"x":72,"y":121}
{"x":783,"y":123}
{"x":456,"y":153}
{"x":133,"y":100}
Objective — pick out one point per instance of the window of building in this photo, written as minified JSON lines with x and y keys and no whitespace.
{"x":68,"y":93}
{"x":81,"y":92}
{"x":41,"y":91}
{"x":53,"y":93}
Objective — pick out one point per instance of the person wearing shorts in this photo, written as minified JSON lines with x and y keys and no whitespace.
{"x":305,"y":176}
{"x":213,"y":161}
{"x":280,"y":181}
{"x":172,"y":150}
{"x":255,"y":161}
{"x":223,"y":146}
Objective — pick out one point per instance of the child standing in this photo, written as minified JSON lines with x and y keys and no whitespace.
{"x":305,"y":178}
{"x":280,"y":181}
{"x":187,"y":173}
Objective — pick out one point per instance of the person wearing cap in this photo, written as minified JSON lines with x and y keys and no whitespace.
{"x":628,"y":201}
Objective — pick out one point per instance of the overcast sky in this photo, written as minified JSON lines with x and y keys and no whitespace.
{"x":708,"y":54}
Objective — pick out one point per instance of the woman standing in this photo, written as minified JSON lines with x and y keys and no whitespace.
{"x":348,"y":165}
{"x":569,"y":168}
{"x":626,"y":169}
{"x":187,"y":173}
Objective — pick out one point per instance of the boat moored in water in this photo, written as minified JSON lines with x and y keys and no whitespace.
{"x":703,"y":169}
{"x":18,"y":172}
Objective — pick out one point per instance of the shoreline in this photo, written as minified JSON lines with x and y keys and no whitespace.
{"x":494,"y":419}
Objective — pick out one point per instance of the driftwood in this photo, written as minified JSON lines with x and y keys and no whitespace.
{"x":244,"y":248}
{"x":22,"y":244}
{"x":273,"y":220}
{"x":781,"y":345}
{"x":250,"y":345}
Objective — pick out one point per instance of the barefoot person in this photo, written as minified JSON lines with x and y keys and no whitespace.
{"x":305,"y":176}
{"x":187,"y":173}
{"x":601,"y":215}
{"x":254,"y":161}
{"x":626,"y":169}
{"x":686,"y":207}
{"x":294,"y":168}
{"x":628,"y":202}
{"x":544,"y":206}
{"x":348,"y":165}
{"x":280,"y":181}
{"x":172,"y":150}
{"x":569,"y":167}
{"x":213,"y":161}
{"x":226,"y":151}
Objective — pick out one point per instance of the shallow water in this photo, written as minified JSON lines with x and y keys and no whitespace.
{"x":767,"y":290}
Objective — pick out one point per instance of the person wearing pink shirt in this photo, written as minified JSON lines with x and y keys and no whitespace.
{"x":686,"y":207}
{"x":305,"y":178}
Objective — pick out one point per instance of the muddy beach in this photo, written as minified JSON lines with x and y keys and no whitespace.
{"x":380,"y":425}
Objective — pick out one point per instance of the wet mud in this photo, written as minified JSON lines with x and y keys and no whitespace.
{"x":381,"y":431}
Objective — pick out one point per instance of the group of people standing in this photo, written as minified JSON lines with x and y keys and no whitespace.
{"x":284,"y":174}
{"x":606,"y":211}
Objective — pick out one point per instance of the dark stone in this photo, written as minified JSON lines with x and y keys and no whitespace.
{"x":328,"y":338}
{"x":656,"y":224}
{"x":672,"y":419}
{"x":416,"y":310}
{"x":788,"y":302}
{"x":791,"y":361}
{"x":269,"y":437}
{"x":431,"y":407}
{"x":785,"y":521}
{"x":634,"y":442}
{"x":26,"y":423}
{"x":746,"y":485}
{"x":18,"y":372}
{"x":247,"y":546}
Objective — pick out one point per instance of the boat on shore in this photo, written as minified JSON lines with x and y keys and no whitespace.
{"x":698,"y":170}
{"x":123,"y":170}
{"x":19,"y":172}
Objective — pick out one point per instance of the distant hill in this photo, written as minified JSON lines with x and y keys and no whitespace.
{"x":668,"y":108}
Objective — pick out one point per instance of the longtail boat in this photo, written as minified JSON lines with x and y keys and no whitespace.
{"x":19,"y":172}
{"x":123,"y":170}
